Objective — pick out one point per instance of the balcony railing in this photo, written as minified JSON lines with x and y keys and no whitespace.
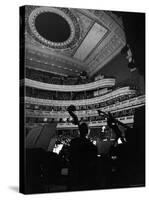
{"x":91,"y":101}
{"x":125,"y":105}
{"x":70,"y":88}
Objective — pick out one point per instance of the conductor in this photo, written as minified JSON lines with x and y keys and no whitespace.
{"x":83,"y":155}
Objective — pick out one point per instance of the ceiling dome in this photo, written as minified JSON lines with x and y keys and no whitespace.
{"x":52,"y":27}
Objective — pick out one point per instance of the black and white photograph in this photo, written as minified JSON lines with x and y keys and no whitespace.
{"x":82,"y":99}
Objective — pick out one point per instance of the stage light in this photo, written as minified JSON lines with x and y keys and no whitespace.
{"x":64,"y":119}
{"x":119,"y":141}
{"x":57,"y":148}
{"x":94,"y":142}
{"x":103,"y":128}
{"x":114,"y":157}
{"x":45,"y":119}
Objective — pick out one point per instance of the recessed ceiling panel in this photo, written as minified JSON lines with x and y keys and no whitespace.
{"x":76,"y":39}
{"x":52,"y":27}
{"x":91,"y":40}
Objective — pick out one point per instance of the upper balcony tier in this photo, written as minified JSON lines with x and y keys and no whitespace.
{"x":109,"y":82}
{"x":116,"y":93}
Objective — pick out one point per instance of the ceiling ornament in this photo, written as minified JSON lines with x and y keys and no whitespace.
{"x":96,"y":37}
{"x":69,"y":18}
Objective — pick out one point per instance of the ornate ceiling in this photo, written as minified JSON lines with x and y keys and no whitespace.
{"x":69,"y":41}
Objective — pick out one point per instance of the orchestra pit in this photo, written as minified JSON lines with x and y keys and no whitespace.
{"x":84,"y":99}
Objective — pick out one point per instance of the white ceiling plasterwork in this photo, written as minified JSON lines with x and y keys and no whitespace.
{"x":96,"y":38}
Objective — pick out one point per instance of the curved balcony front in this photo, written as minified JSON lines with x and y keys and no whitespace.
{"x":71,"y":88}
{"x":116,"y":93}
{"x":117,"y":107}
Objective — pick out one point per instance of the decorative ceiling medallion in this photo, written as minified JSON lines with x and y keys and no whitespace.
{"x":61,"y":15}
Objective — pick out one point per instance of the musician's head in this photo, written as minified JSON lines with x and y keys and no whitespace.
{"x":83,"y":128}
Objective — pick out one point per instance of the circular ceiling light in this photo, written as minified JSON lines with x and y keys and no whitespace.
{"x":53,"y":27}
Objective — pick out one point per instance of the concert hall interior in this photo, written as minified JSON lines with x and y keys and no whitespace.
{"x":83,"y":67}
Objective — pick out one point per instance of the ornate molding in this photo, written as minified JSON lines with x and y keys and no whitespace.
{"x":92,"y":101}
{"x":63,"y":12}
{"x":72,"y":65}
{"x":111,"y":45}
{"x":80,"y":22}
{"x":102,"y":55}
{"x":84,"y":22}
{"x":125,"y":105}
{"x":70,"y":88}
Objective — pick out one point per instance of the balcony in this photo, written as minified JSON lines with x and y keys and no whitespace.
{"x":88,"y":113}
{"x":96,"y":100}
{"x":70,"y":88}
